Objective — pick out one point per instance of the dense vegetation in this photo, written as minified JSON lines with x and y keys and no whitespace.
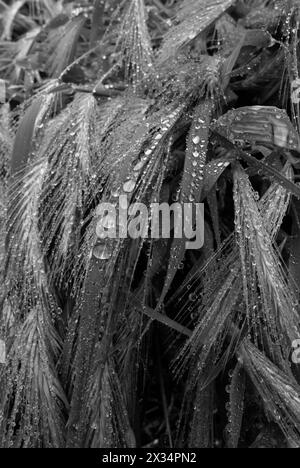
{"x":123,"y":342}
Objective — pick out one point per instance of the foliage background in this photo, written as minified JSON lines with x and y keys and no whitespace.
{"x":124,"y":343}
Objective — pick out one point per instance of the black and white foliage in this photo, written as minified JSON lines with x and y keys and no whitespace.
{"x":139,"y":342}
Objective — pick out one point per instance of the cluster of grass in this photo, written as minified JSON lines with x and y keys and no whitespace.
{"x":140,"y":342}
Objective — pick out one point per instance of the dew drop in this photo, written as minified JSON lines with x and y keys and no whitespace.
{"x":192,"y":297}
{"x":129,"y":186}
{"x":102,"y":252}
{"x":139,"y":166}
